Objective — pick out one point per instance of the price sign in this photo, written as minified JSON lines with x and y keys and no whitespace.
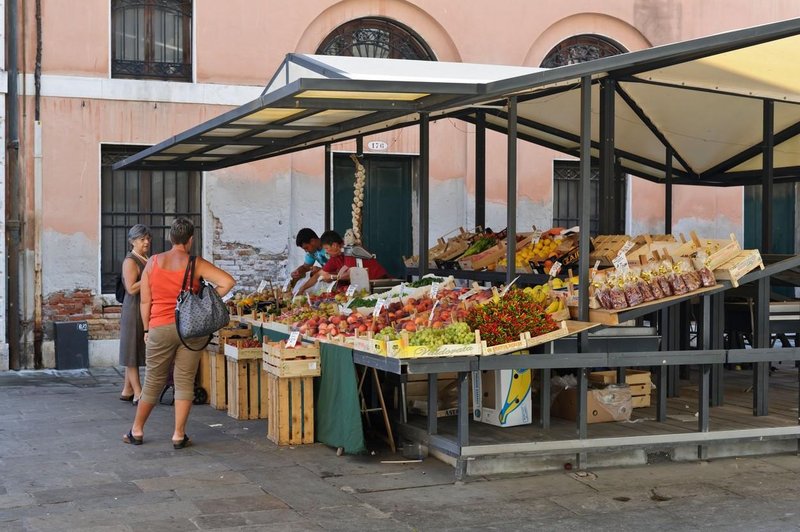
{"x":292,"y":341}
{"x":434,"y":290}
{"x":378,"y":308}
{"x":262,"y":285}
{"x":329,"y":289}
{"x":537,"y":234}
{"x":555,"y":269}
{"x":621,"y":263}
{"x":507,"y":288}
{"x":287,"y":284}
{"x":351,"y":290}
{"x":626,"y":248}
{"x":433,"y":309}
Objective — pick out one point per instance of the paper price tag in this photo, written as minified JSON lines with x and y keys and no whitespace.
{"x":467,"y":294}
{"x":555,"y":269}
{"x":434,"y":290}
{"x":626,"y":248}
{"x":433,"y":310}
{"x":351,"y":290}
{"x":262,"y":285}
{"x":287,"y":284}
{"x":621,"y":263}
{"x":293,"y":337}
{"x":329,"y":289}
{"x":378,"y":308}
{"x":507,"y":288}
{"x":537,"y":234}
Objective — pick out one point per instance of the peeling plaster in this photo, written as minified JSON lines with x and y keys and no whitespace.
{"x":69,"y":262}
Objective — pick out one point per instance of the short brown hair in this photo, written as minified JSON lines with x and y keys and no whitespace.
{"x":181,"y":231}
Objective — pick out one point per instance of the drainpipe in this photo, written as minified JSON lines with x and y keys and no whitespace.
{"x":14,"y":221}
{"x":38,"y":332}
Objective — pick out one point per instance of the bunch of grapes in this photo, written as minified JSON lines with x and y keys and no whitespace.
{"x":457,"y":333}
{"x":387,"y":333}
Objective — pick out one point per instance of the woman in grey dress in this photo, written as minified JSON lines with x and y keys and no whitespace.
{"x":131,"y":330}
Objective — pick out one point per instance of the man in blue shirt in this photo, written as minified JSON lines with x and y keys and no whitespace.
{"x":315,"y":257}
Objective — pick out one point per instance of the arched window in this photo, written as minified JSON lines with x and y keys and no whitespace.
{"x":151,"y":39}
{"x":580,"y":49}
{"x":375,"y":37}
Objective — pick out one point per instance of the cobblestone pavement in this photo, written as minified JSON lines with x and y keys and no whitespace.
{"x":63,"y":466}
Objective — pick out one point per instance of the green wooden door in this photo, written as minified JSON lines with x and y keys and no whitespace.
{"x":386,"y":214}
{"x":783,"y":220}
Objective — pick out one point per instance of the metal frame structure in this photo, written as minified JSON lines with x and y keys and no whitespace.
{"x":500,"y":104}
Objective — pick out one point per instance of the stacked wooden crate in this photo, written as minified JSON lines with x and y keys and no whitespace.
{"x":638,"y":381}
{"x":247,"y":386}
{"x":290,"y":372}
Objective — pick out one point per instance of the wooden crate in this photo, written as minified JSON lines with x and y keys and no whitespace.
{"x":236,"y":350}
{"x":606,"y":248}
{"x":218,"y":387}
{"x":204,"y":371}
{"x":248,"y":396}
{"x":638,"y":381}
{"x":742,"y":264}
{"x":302,"y":361}
{"x":291,"y":413}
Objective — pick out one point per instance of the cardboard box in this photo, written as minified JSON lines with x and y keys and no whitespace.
{"x":638,"y":381}
{"x":609,"y":404}
{"x":502,"y":397}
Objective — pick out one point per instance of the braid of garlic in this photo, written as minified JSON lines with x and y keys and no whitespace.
{"x":358,"y":197}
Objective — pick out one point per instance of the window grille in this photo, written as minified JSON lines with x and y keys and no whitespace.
{"x":152,"y":198}
{"x":566,"y":201}
{"x":151,"y":39}
{"x":375,"y":37}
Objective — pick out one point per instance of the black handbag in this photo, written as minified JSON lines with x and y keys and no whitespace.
{"x":200,"y":314}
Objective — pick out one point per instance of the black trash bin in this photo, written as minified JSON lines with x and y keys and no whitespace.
{"x":72,"y":344}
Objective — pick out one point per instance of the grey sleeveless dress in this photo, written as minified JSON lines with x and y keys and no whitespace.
{"x":131,"y":330}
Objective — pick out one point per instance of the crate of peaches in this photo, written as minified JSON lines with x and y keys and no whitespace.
{"x":242,"y":349}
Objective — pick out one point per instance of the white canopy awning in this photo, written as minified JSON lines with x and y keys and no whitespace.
{"x":704,"y":101}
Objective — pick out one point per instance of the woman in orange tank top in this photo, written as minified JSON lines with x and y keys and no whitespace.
{"x":160,"y":285}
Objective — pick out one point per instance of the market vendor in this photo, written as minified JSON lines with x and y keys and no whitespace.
{"x":339,"y":263}
{"x":315,"y":257}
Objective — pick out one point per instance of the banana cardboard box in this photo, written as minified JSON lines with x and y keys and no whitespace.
{"x":502,"y":397}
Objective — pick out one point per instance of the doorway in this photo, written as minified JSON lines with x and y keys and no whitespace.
{"x":386,"y":214}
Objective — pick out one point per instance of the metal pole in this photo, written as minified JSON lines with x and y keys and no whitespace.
{"x":422,"y":197}
{"x":480,"y":169}
{"x":767,"y":181}
{"x":717,"y":340}
{"x":584,"y":212}
{"x":14,"y":221}
{"x":328,"y":186}
{"x":761,"y":369}
{"x":511,"y":192}
{"x":668,"y":194}
{"x":608,"y":197}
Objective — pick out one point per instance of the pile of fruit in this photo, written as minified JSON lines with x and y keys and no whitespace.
{"x":503,"y":319}
{"x":246,"y":343}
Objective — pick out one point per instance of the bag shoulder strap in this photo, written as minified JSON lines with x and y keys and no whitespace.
{"x":189,"y":273}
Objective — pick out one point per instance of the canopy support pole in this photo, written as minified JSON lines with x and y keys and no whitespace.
{"x":424,"y":187}
{"x":511,"y":192}
{"x":608,"y":187}
{"x":328,"y":187}
{"x":668,"y":194}
{"x":480,"y":169}
{"x":767,"y":176}
{"x":584,"y":212}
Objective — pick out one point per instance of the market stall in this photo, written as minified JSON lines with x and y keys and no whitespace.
{"x":635,"y":92}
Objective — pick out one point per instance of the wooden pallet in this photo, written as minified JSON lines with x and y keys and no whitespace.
{"x":218,"y":387}
{"x":248,"y":396}
{"x":301,"y":361}
{"x":291,"y":412}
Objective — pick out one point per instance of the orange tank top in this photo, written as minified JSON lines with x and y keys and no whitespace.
{"x":165,"y":285}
